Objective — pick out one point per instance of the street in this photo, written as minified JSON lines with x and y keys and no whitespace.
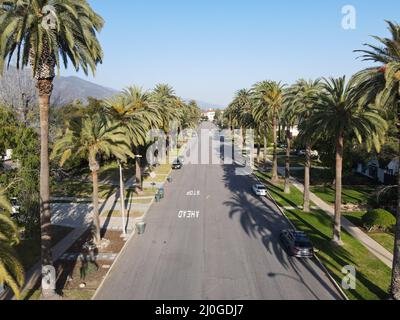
{"x":221,"y":244}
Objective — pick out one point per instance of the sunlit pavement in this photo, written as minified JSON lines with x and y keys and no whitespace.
{"x":231,"y":251}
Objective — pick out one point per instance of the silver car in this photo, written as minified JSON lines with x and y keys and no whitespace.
{"x":260,"y":190}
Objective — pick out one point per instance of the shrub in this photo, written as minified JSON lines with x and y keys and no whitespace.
{"x":378,"y":219}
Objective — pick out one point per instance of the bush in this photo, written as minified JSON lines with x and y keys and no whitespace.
{"x":378,"y":219}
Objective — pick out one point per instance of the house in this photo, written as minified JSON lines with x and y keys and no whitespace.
{"x":374,"y":170}
{"x":210,"y":115}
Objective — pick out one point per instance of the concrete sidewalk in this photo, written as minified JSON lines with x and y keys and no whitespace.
{"x":374,"y":247}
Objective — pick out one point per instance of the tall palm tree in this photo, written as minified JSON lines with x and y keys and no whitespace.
{"x":134,"y":123}
{"x":89,"y":137}
{"x":301,"y":98}
{"x":244,"y":104}
{"x":289,"y":118}
{"x":381,"y":85}
{"x":340,"y":116}
{"x":261,"y":111}
{"x":271,"y":97}
{"x":11,"y":270}
{"x":143,"y":115}
{"x":164,"y":98}
{"x":73,"y":37}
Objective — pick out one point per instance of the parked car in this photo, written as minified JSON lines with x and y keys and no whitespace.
{"x":177,"y":165}
{"x":260,"y":190}
{"x":314,"y":153}
{"x":297,"y":243}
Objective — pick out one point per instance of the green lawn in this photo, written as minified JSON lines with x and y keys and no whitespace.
{"x":357,"y":195}
{"x":79,"y":189}
{"x":373,"y":276}
{"x":385,"y":239}
{"x":295,"y":161}
{"x":294,"y":199}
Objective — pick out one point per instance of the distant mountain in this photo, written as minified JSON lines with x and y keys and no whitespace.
{"x":67,"y":89}
{"x":206,"y":105}
{"x":17,"y":83}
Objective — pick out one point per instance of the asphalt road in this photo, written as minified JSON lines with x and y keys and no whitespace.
{"x":231,"y":251}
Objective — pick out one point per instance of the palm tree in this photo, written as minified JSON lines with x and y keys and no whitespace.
{"x":289,"y":118}
{"x":340,"y":116}
{"x":135,"y":127}
{"x":381,"y":85}
{"x":261,"y":111}
{"x":26,"y":35}
{"x":89,"y":137}
{"x":140,"y":114}
{"x":301,"y":98}
{"x":270,"y":105}
{"x":11,"y":270}
{"x":164,"y":98}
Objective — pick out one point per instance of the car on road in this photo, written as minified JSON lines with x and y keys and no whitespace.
{"x":314,"y":153}
{"x":177,"y":164}
{"x":297,"y":243}
{"x":260,"y":190}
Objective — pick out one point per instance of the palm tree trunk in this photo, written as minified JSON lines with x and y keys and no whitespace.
{"x":337,"y":239}
{"x":395,"y":285}
{"x":287,"y":162}
{"x":122,"y":197}
{"x":265,"y":147}
{"x":307,"y":172}
{"x":94,"y":167}
{"x":275,"y":161}
{"x":138,"y":175}
{"x":258,"y":146}
{"x":45,"y":88}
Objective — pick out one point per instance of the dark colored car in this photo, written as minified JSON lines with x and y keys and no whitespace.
{"x":297,"y":243}
{"x":177,"y":164}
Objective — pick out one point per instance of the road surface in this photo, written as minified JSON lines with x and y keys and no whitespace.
{"x":231,"y":251}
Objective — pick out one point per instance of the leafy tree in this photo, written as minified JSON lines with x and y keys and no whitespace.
{"x":11,"y":271}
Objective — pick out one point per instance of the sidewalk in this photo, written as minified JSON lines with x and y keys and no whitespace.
{"x":374,"y":247}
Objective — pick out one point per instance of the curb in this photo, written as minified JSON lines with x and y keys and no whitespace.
{"x":334,"y":282}
{"x":131,"y":237}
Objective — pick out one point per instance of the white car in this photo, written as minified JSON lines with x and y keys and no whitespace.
{"x":260,"y":190}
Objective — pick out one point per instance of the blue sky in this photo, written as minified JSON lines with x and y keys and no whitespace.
{"x":208,"y":49}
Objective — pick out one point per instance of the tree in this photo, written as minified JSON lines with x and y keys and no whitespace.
{"x":140,"y":107}
{"x":339,"y":115}
{"x":89,"y":137}
{"x":26,"y":35}
{"x":270,"y":105}
{"x":164,"y":98}
{"x":11,"y":271}
{"x":301,"y":98}
{"x":289,"y":118}
{"x":261,"y":112}
{"x":381,"y":85}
